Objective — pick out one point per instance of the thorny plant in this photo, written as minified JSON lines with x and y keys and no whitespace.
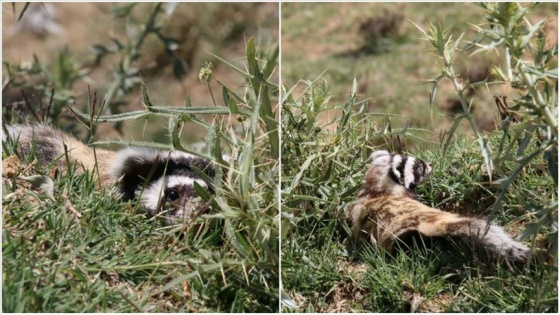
{"x":530,"y":126}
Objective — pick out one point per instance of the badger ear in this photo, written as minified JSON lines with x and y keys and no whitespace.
{"x":376,"y":154}
{"x":132,"y":168}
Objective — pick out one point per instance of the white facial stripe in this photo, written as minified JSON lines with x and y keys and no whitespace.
{"x":177,"y":155}
{"x":409,"y":171}
{"x":178,"y":180}
{"x":152,"y":194}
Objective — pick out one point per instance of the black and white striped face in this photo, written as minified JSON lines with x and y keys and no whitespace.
{"x":174,"y":199}
{"x":404,"y":170}
{"x":164,"y":182}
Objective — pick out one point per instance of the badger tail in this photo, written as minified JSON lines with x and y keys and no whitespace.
{"x":493,"y":238}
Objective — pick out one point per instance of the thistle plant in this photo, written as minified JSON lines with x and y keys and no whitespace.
{"x":245,"y":186}
{"x":529,"y":128}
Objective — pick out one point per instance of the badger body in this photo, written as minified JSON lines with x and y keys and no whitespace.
{"x":47,"y":145}
{"x":163,"y":181}
{"x":386,"y":211}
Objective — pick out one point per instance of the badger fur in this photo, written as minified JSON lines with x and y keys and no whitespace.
{"x":387,"y":211}
{"x":163,"y":181}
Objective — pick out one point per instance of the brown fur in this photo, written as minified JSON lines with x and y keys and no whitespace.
{"x":386,"y":212}
{"x":48,"y":145}
{"x":163,"y":181}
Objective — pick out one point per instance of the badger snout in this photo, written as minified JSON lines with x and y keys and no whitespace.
{"x":174,"y":199}
{"x":181,"y":205}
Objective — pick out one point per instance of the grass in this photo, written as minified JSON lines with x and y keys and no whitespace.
{"x":322,"y":168}
{"x":113,"y":259}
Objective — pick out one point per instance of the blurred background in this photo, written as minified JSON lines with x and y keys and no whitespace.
{"x":379,"y":45}
{"x":52,"y":52}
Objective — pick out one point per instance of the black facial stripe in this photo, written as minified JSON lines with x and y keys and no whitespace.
{"x":392,"y":173}
{"x":401,"y":167}
{"x":183,"y":167}
{"x":394,"y":176}
{"x":418,"y":170}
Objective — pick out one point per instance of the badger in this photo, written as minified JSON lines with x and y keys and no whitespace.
{"x":387,"y":210}
{"x":162,"y":181}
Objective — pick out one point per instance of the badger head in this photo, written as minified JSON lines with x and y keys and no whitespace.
{"x":164,"y":182}
{"x":404,"y":170}
{"x":394,"y":174}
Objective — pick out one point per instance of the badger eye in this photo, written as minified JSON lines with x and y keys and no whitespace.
{"x":171,"y":194}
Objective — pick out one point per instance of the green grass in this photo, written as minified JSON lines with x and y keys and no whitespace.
{"x":114,"y":259}
{"x":322,"y":271}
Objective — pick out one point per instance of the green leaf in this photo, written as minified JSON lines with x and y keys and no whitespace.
{"x":233,"y":239}
{"x":271,"y":63}
{"x":213,"y":143}
{"x":256,"y":75}
{"x":247,"y":175}
{"x":302,"y":169}
{"x":533,"y":30}
{"x":230,"y":102}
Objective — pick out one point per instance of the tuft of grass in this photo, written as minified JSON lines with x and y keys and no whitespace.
{"x":323,"y":161}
